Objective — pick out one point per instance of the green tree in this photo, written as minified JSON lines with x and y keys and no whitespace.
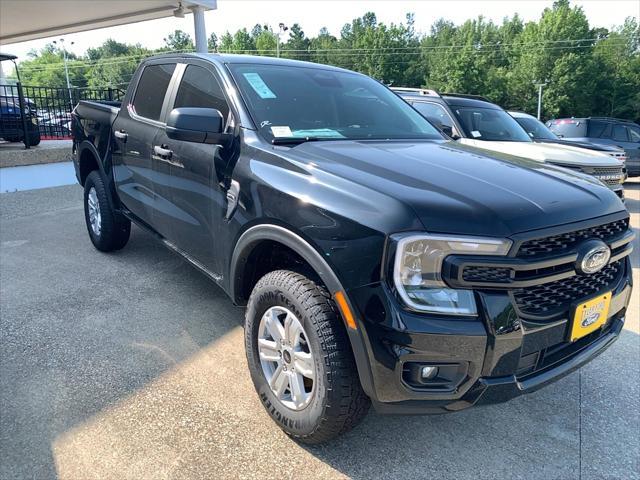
{"x":297,"y":46}
{"x":557,"y":49}
{"x":212,"y":43}
{"x":46,"y":68}
{"x":266,"y":43}
{"x":178,"y":41}
{"x":590,"y":71}
{"x":616,"y":58}
{"x":322,"y":47}
{"x":113,"y":63}
{"x":239,"y":42}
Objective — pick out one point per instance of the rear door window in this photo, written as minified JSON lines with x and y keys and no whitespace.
{"x":598,"y":129}
{"x":151,"y":90}
{"x":200,"y":88}
{"x":634,"y":133}
{"x":620,"y":133}
{"x":569,"y":128}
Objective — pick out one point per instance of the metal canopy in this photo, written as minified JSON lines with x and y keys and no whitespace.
{"x":7,"y":56}
{"x":22,"y":20}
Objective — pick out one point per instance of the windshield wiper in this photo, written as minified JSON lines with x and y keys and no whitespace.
{"x":299,"y":140}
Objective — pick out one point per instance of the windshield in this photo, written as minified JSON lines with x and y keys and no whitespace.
{"x":490,"y":124}
{"x":536,"y":129}
{"x":299,"y":102}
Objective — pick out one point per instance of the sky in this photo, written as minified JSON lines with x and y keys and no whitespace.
{"x":312,"y":15}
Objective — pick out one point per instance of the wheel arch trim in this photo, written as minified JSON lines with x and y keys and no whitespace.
{"x":258,"y":233}
{"x":85,"y":146}
{"x":253,"y":236}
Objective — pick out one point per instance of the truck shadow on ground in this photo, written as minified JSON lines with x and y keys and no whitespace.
{"x":82,"y":330}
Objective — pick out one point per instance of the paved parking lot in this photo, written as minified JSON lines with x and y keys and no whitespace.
{"x":131,"y":365}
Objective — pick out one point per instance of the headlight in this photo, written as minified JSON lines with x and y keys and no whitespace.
{"x":417,"y":271}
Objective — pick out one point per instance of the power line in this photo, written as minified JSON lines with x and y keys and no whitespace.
{"x":417,"y":50}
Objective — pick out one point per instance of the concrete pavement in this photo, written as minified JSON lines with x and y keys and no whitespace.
{"x":131,"y":365}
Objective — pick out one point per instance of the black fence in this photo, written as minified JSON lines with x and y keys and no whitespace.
{"x":30,"y":113}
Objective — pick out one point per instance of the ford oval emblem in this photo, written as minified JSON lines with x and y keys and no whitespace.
{"x":595,"y":259}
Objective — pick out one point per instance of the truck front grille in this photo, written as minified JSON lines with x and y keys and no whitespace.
{"x":565,"y":242}
{"x":477,"y":273}
{"x":541,"y":274}
{"x":611,"y":176}
{"x":556,"y":297}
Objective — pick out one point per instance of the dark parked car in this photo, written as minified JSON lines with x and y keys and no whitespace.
{"x":605,"y":131}
{"x":12,"y":124}
{"x":379,"y":261}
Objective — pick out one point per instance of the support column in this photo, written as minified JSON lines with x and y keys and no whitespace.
{"x":200,"y":29}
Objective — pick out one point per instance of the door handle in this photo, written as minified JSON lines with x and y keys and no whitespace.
{"x":162,"y":152}
{"x":121,"y":135}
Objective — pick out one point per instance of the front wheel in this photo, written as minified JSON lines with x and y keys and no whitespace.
{"x":300,"y":359}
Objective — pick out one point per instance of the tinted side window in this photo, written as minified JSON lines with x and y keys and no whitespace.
{"x":199,"y":88}
{"x":434,"y":112}
{"x":597,"y":129}
{"x":569,"y":128}
{"x":620,"y":133}
{"x":634,"y":133}
{"x":151,"y":90}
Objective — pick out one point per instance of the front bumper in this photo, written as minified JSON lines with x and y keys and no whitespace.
{"x":501,"y":355}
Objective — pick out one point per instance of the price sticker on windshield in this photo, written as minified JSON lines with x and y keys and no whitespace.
{"x":281,"y":132}
{"x":258,"y":85}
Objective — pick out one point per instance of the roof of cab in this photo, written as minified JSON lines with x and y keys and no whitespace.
{"x":230,"y":59}
{"x":453,"y":99}
{"x":468,"y":102}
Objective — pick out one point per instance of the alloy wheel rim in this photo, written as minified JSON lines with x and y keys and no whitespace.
{"x":95,"y":219}
{"x":286,"y":358}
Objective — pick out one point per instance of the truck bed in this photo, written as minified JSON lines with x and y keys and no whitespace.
{"x":103,"y":112}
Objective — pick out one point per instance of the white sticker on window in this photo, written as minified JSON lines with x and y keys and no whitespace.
{"x":476,"y":133}
{"x":258,"y":85}
{"x":281,"y":132}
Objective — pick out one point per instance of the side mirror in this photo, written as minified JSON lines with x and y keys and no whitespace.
{"x":447,"y":129}
{"x":195,"y":124}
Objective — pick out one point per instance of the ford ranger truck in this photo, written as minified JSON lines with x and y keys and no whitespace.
{"x":380,"y":263}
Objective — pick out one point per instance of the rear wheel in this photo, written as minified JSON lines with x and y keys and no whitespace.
{"x":34,"y":138}
{"x":300,"y":359}
{"x":108,"y":229}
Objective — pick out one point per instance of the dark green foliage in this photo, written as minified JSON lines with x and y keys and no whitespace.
{"x":590,"y":71}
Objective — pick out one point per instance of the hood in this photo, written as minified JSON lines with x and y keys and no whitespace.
{"x":459,"y":189}
{"x":548,"y":152}
{"x":588,"y":145}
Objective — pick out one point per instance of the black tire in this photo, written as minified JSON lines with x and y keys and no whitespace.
{"x":34,"y":138}
{"x":115,"y":228}
{"x":338,"y":402}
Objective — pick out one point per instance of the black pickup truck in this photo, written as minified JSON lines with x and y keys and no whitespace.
{"x":380,"y":262}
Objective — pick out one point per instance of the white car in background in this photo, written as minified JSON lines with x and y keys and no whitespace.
{"x":539,"y":132}
{"x":474,"y":121}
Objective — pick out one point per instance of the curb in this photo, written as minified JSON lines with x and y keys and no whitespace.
{"x":18,"y":156}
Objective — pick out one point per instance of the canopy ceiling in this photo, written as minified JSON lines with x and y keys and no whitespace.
{"x":22,"y":20}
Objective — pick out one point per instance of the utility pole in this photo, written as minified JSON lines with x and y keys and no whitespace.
{"x":540,"y":85}
{"x":66,"y":69}
{"x":281,"y":29}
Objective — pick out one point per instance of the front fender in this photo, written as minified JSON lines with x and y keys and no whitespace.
{"x":254,"y":235}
